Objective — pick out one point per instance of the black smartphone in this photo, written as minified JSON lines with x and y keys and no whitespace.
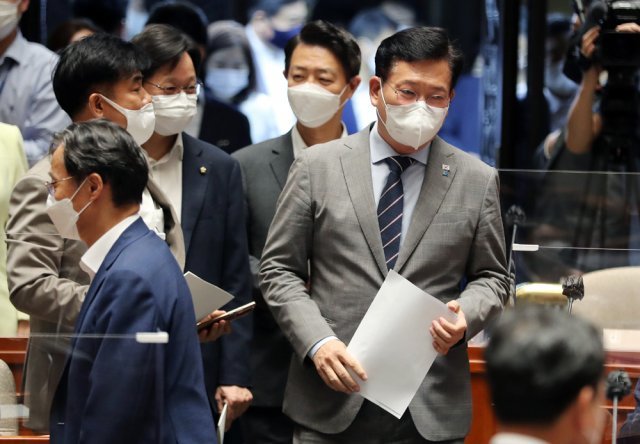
{"x":228,"y":316}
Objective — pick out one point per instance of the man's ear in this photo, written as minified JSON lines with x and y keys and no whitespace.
{"x":24,"y":5}
{"x":353,"y":85}
{"x":96,"y":185}
{"x":96,"y":105}
{"x":374,"y":90}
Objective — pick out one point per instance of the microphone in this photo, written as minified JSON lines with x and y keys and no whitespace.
{"x":573,"y":288}
{"x":618,"y":386}
{"x":515,"y":216}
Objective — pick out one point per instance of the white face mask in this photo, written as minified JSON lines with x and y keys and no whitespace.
{"x":174,"y":112}
{"x":9,"y":17}
{"x":313,"y":105}
{"x":414,"y":124}
{"x":140,"y":122}
{"x":225,"y":83}
{"x":64,"y":216}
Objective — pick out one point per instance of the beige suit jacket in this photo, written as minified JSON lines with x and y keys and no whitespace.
{"x":326,"y":217}
{"x":46,"y":282}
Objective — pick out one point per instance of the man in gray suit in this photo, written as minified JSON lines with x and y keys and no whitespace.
{"x":329,"y":250}
{"x":44,"y":276}
{"x":321,"y":67}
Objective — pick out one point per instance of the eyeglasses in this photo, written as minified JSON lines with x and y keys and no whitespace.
{"x":170,"y":90}
{"x":50,"y":184}
{"x":405,"y":96}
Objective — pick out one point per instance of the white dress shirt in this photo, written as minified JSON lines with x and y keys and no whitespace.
{"x":299,"y":144}
{"x":93,"y":258}
{"x":167,"y":173}
{"x":515,"y":438}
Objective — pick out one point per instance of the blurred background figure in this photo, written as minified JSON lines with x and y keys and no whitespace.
{"x":13,"y":164}
{"x":26,"y":93}
{"x":108,"y":15}
{"x":231,"y":78}
{"x":271,"y":24}
{"x":559,"y":89}
{"x":546,"y":378}
{"x":70,"y":31}
{"x":369,"y":27}
{"x":215,"y":122}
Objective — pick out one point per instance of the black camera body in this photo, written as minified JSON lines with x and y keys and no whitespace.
{"x":619,"y":54}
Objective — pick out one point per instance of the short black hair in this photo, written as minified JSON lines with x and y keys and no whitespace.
{"x":417,"y":44}
{"x":99,"y":60}
{"x":61,"y":36}
{"x":186,"y":17}
{"x":107,"y":14}
{"x":164,"y":45}
{"x":538,"y":359}
{"x":102,"y":147}
{"x":337,"y":40}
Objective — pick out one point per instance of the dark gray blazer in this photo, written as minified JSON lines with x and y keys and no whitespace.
{"x":264,"y":171}
{"x":325,"y":229}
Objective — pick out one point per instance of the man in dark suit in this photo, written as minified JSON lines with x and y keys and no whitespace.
{"x":391,"y":197}
{"x":204,"y":185}
{"x":215,"y":122}
{"x":321,"y":57}
{"x":545,"y":370}
{"x":117,"y":387}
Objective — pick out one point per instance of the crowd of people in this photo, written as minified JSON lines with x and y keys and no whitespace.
{"x":289,"y":162}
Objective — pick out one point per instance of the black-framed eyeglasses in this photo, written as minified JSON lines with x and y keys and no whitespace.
{"x":171,"y":90}
{"x":51,"y":184}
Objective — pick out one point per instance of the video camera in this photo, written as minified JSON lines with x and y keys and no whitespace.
{"x":619,"y":54}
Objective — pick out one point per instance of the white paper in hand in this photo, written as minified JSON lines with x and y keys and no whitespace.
{"x":222,"y":421}
{"x":393,"y":343}
{"x":206,"y":297}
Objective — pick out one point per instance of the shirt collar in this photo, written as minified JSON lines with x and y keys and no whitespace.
{"x":17,"y":51}
{"x":298,"y":142}
{"x":175,"y":154}
{"x":380,"y":149}
{"x":95,"y":255}
{"x":510,"y":438}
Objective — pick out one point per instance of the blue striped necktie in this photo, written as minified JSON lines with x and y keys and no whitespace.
{"x":390,"y":208}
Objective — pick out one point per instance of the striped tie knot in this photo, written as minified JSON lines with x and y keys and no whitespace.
{"x":398,"y":164}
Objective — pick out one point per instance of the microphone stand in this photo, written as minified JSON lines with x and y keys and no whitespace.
{"x":515,"y":216}
{"x":618,"y":386}
{"x":573,"y":288}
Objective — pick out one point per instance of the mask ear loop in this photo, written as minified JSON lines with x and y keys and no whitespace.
{"x":76,"y":192}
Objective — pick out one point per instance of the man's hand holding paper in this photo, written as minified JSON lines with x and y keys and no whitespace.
{"x":447,"y":334}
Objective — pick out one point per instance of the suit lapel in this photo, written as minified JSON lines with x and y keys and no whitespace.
{"x":282,"y":158}
{"x":133,"y":232}
{"x":194,"y":184}
{"x":356,"y":167}
{"x":434,"y":188}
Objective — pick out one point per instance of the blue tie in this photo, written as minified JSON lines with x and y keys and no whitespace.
{"x":390,"y":208}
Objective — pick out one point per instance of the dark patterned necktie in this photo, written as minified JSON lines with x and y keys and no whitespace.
{"x":390,"y":208}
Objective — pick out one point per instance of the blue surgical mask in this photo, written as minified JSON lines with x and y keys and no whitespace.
{"x":280,"y":38}
{"x":226,"y":83}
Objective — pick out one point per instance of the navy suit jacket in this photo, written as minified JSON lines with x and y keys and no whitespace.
{"x":213,"y":224}
{"x":224,"y":126}
{"x":115,"y":389}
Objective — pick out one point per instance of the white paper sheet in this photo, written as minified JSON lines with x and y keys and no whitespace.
{"x":221,"y":423}
{"x":206,"y":297}
{"x":394,"y":345}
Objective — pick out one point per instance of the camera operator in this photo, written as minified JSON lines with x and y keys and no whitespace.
{"x":581,"y":201}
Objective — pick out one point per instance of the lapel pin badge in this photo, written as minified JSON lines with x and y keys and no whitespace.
{"x":203,"y":170}
{"x":445,"y":169}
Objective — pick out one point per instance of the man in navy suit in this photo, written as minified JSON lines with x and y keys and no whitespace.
{"x":115,"y":387}
{"x":204,"y":186}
